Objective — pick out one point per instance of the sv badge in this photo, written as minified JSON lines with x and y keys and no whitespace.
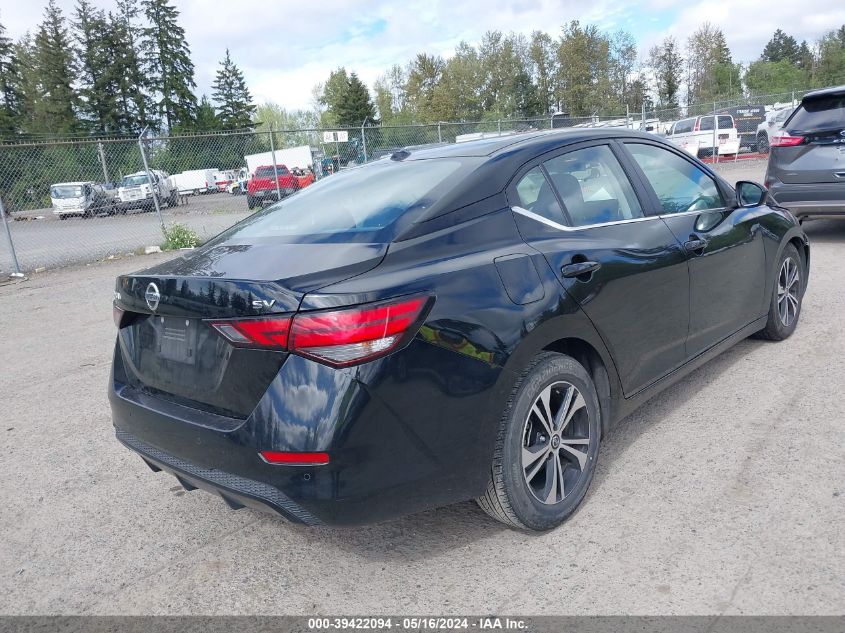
{"x":263,"y":303}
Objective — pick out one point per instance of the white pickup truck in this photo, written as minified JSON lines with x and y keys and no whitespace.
{"x":136,"y":192}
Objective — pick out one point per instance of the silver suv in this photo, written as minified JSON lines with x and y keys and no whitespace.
{"x":806,"y":171}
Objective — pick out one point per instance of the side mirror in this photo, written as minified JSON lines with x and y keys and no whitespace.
{"x":750,"y":194}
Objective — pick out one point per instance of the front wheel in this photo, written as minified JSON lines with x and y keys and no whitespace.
{"x":547,"y":446}
{"x":787,"y":296}
{"x":250,"y":202}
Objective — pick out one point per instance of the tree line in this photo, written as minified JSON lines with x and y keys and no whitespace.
{"x":584,"y":71}
{"x":113,"y":72}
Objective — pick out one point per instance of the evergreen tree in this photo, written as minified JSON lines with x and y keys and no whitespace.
{"x":54,"y":59}
{"x":137,"y":109}
{"x":95,"y":63}
{"x":167,"y":63}
{"x":781,"y":47}
{"x":355,"y":105}
{"x":207,"y":119}
{"x":10,"y":79}
{"x":333,"y":91}
{"x":234,"y":103}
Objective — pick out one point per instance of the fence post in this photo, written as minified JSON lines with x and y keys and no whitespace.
{"x":275,"y":170}
{"x":715,"y":135}
{"x":8,"y":233}
{"x":364,"y":138}
{"x":499,"y":125}
{"x":151,"y":181}
{"x":439,"y":135}
{"x":103,"y":162}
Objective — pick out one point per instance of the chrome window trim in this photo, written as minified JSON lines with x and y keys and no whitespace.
{"x":563,"y":227}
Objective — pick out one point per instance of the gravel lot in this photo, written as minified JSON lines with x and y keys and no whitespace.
{"x":725,"y":494}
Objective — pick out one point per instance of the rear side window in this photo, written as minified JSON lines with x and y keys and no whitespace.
{"x":355,"y":204}
{"x":593,"y":186}
{"x":824,"y":113}
{"x":680,"y":185}
{"x":536,"y":195}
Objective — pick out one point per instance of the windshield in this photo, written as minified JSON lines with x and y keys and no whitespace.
{"x":134,"y":181}
{"x":356,"y":204}
{"x":65,"y":191}
{"x":823,"y":113}
{"x":267,"y":172}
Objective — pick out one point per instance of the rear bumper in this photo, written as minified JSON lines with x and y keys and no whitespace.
{"x":810,"y":199}
{"x":383,"y":463}
{"x":237,"y":492}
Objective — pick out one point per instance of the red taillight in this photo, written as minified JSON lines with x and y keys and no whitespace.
{"x":345,"y":337}
{"x":786,"y":140}
{"x":697,"y":125}
{"x":335,"y":337}
{"x":117,"y":314}
{"x":295,"y":459}
{"x":267,"y":332}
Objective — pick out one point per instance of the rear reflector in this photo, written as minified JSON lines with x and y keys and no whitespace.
{"x":335,"y":337}
{"x":295,"y":459}
{"x":786,"y":141}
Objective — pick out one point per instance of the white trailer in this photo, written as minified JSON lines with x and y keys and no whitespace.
{"x":194,"y":181}
{"x":290,"y":157}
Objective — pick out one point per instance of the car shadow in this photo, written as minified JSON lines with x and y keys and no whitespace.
{"x":431,"y":533}
{"x":828,"y":231}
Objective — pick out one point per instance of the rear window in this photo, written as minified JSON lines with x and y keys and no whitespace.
{"x":705,"y":123}
{"x":726,"y":122}
{"x":359,"y":204}
{"x":267,"y":172}
{"x":824,"y":113}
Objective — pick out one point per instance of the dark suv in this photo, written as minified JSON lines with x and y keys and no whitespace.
{"x":806,"y":170}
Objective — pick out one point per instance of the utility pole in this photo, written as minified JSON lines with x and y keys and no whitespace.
{"x":364,"y":138}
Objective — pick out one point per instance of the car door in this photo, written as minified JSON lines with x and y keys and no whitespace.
{"x":725,"y":247}
{"x":625,"y":268}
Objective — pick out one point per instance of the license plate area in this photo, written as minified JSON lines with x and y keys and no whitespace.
{"x":176,"y":339}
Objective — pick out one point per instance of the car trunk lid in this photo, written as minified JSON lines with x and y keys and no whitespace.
{"x":169,"y":350}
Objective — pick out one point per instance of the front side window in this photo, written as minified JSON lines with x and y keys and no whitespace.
{"x":536,"y":195}
{"x":682,"y":127}
{"x":679,"y":184}
{"x":593,"y":186}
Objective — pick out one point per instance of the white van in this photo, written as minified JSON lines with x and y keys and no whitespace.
{"x":195,"y":181}
{"x":697,"y":136}
{"x":84,"y":199}
{"x":135,"y":191}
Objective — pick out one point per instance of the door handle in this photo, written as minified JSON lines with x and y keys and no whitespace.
{"x":580,"y":268}
{"x":695,"y":244}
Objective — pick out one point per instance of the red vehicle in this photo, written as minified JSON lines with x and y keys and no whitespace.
{"x":304,"y":177}
{"x":261,"y":185}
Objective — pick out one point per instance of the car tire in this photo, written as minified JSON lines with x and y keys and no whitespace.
{"x":523,"y":492}
{"x":763,"y":143}
{"x":250,"y":202}
{"x":787,"y":296}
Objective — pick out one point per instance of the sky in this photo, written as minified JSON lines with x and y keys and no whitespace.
{"x":286,"y":48}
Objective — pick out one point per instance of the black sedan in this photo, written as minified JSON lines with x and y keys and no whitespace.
{"x":466,"y":321}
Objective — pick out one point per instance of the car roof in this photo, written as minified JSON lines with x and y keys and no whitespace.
{"x":525,"y":142}
{"x":72,"y":184}
{"x":824,"y":92}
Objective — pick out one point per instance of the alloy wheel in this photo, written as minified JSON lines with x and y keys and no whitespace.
{"x":789,"y":286}
{"x":555,"y":442}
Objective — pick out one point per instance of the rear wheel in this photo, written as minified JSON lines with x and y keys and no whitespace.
{"x":250,"y":202}
{"x":763,"y":143}
{"x":787,"y":295}
{"x":547,"y":446}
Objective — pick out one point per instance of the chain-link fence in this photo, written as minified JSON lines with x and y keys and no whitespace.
{"x":74,"y":201}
